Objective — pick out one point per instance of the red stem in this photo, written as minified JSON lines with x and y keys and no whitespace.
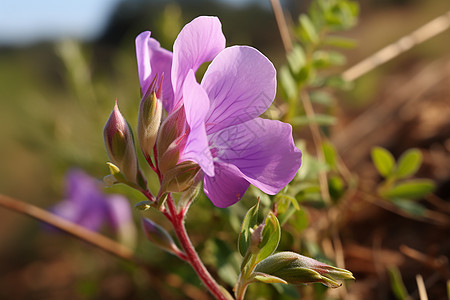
{"x":192,"y":256}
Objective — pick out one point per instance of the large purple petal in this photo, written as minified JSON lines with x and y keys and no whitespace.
{"x":226,"y":187}
{"x":153,"y":60}
{"x":263,"y":150}
{"x":196,"y":105}
{"x":198,"y":42}
{"x":241,"y":84}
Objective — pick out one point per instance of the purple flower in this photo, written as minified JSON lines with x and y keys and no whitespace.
{"x":86,"y":205}
{"x":225,"y":136}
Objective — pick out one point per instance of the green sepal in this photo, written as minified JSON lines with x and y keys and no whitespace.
{"x":266,"y":278}
{"x":248,"y":225}
{"x":144,"y":205}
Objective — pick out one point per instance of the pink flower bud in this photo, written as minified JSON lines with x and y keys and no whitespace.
{"x":149,"y":119}
{"x":120,"y":146}
{"x":297,"y":269}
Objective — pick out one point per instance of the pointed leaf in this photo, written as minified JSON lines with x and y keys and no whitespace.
{"x":296,"y":58}
{"x":308,"y":29}
{"x":271,"y":235}
{"x":411,"y":189}
{"x":383,"y":160}
{"x":266,"y":278}
{"x":409,"y":163}
{"x":250,"y":221}
{"x":410,"y":207}
{"x":330,"y":154}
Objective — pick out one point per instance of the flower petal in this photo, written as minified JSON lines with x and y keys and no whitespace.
{"x":241,"y":85}
{"x":198,"y":42}
{"x":196,"y":106}
{"x":263,"y":150}
{"x":226,"y":187}
{"x":153,"y":60}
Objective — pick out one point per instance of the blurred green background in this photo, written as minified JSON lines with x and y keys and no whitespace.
{"x":56,"y":95}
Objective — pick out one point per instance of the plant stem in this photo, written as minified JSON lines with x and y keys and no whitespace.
{"x":192,"y":256}
{"x":96,"y":239}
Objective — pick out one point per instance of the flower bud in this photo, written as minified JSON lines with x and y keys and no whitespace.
{"x":180,"y":178}
{"x":296,"y":269}
{"x":158,"y":236}
{"x":149,"y":119}
{"x":171,"y":140}
{"x":120,"y":146}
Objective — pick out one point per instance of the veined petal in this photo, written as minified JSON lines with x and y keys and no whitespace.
{"x":198,"y":42}
{"x":226,"y":187}
{"x":263,"y":150}
{"x":196,"y":105}
{"x":241,"y":85}
{"x":153,"y":60}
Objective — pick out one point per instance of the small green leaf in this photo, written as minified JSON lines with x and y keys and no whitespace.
{"x":409,"y":163}
{"x":271,"y":235}
{"x":143,"y":205}
{"x":410,"y":207}
{"x":250,"y":221}
{"x":308,"y":29}
{"x":411,"y":189}
{"x":338,"y":41}
{"x":383,"y":160}
{"x":266,"y":278}
{"x":283,"y":198}
{"x":325,"y":59}
{"x":321,"y":97}
{"x":288,"y":84}
{"x":330,"y":154}
{"x":397,"y":285}
{"x":296,"y":58}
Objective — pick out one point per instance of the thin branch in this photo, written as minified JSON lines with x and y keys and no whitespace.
{"x":95,"y":239}
{"x":421,"y":287}
{"x":430,"y":217}
{"x":282,"y":26}
{"x":424,"y":33}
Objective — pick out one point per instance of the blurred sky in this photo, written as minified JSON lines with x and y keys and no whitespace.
{"x":26,"y":21}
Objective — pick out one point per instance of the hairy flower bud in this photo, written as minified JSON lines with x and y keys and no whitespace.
{"x":297,"y":269}
{"x":171,"y":140}
{"x":149,"y":119}
{"x":158,"y":236}
{"x":180,"y":178}
{"x":120,"y":146}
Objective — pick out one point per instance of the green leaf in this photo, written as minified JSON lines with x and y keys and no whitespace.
{"x":408,"y":163}
{"x":411,"y":189}
{"x":308,"y":29}
{"x":286,"y":200}
{"x":383,"y":160}
{"x":300,"y":220}
{"x":144,"y":205}
{"x":329,"y":154}
{"x":250,"y":221}
{"x":271,"y":235}
{"x":325,"y":59}
{"x":336,"y":187}
{"x":410,"y":207}
{"x":288,"y":84}
{"x":397,"y":285}
{"x":338,"y":41}
{"x":321,"y":97}
{"x":296,"y":58}
{"x":266,"y":278}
